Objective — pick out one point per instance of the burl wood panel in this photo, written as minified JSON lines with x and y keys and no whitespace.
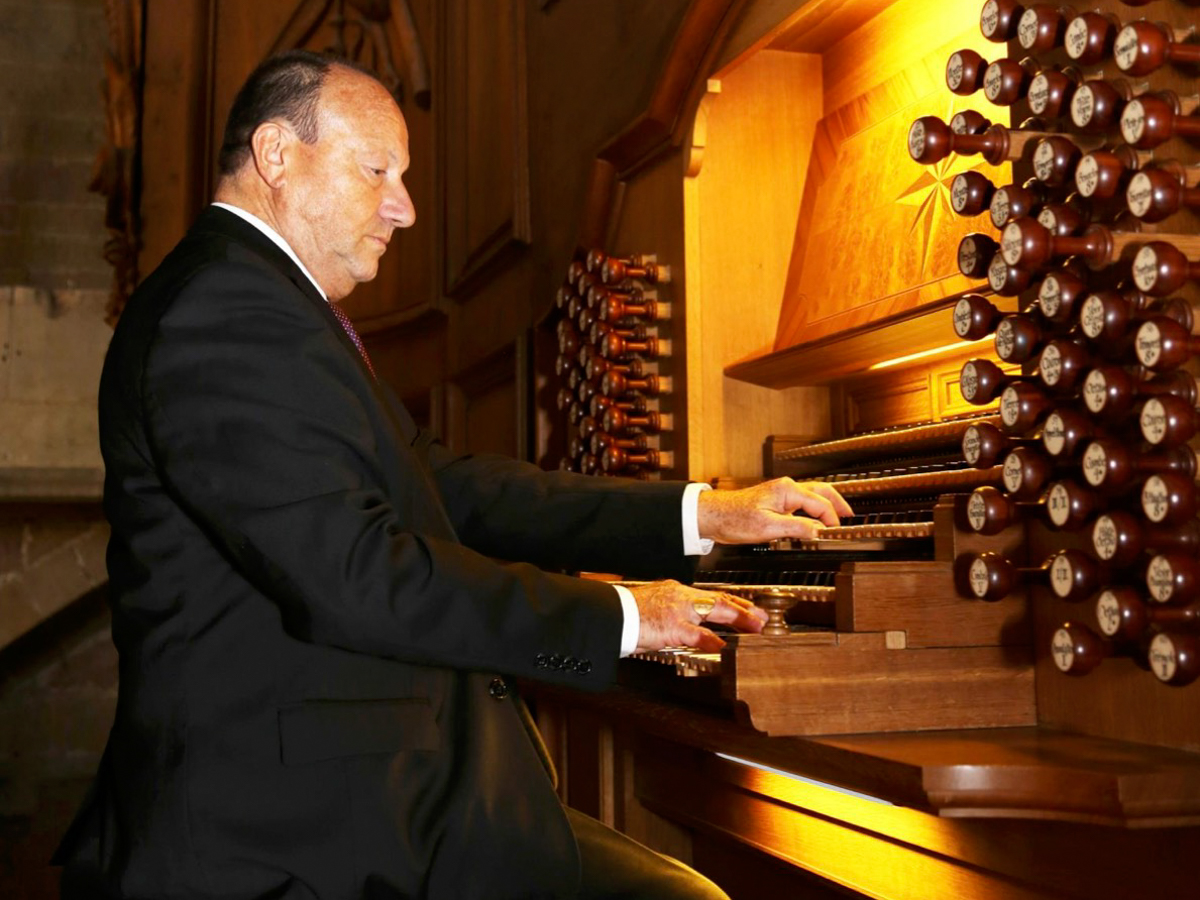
{"x":876,"y":235}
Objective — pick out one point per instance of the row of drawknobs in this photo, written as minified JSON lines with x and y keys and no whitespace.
{"x":1160,"y":634}
{"x":609,"y":351}
{"x":1137,"y":48}
{"x":1096,"y":409}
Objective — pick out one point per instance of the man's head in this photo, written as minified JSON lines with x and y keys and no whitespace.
{"x":317,"y":148}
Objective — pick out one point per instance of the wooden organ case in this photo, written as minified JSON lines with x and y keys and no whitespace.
{"x":892,"y":232}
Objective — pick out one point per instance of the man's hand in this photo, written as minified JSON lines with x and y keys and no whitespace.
{"x":671,"y":616}
{"x":764,"y":512}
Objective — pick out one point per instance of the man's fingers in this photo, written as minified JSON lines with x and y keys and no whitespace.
{"x":738,"y":612}
{"x":706,"y":641}
{"x":673,"y":615}
{"x":816,"y":499}
{"x":797,"y":527}
{"x":697,"y":637}
{"x":831,"y":494}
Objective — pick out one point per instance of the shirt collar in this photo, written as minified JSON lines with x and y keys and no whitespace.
{"x":276,"y":238}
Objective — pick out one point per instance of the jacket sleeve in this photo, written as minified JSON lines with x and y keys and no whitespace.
{"x":513,"y":510}
{"x":258,"y":425}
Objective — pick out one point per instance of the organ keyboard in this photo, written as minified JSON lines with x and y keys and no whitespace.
{"x":872,"y":599}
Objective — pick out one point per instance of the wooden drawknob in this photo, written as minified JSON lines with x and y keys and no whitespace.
{"x":1076,"y":649}
{"x":776,"y":603}
{"x":998,"y":20}
{"x":1174,"y":658}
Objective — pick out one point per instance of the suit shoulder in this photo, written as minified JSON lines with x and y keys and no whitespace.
{"x":210,"y":267}
{"x":200,"y":289}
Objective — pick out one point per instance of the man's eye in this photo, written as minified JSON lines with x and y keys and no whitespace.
{"x":375,"y":171}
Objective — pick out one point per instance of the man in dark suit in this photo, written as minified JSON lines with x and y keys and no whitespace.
{"x":315,"y":638}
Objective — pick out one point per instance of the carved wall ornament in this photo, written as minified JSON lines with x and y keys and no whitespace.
{"x":116,"y":173}
{"x":373,"y":33}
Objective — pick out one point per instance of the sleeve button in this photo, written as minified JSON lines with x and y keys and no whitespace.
{"x":498,"y":689}
{"x":541,"y":660}
{"x":556,"y":661}
{"x":583,"y":667}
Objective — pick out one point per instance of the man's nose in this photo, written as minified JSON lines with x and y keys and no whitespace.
{"x":398,"y":207}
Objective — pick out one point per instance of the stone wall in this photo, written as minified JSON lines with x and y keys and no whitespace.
{"x":52,"y":343}
{"x":57,"y":662}
{"x":51,"y":125}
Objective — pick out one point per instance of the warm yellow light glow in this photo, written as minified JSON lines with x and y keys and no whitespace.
{"x":853,"y":839}
{"x":958,"y":345}
{"x":838,"y":789}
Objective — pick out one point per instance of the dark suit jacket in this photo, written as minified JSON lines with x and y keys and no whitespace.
{"x":310,"y":620}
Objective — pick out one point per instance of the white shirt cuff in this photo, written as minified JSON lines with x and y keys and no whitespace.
{"x":693,"y":544}
{"x":633,"y":621}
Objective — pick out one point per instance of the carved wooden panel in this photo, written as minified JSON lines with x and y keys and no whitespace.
{"x":484,"y":134}
{"x":409,"y":354}
{"x":485,"y":407}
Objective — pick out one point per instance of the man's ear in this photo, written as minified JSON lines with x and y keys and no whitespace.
{"x":270,"y":145}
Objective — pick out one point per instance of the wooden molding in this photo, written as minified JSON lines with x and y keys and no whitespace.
{"x":485,"y":179}
{"x":417,"y":317}
{"x":679,"y":88}
{"x":664,"y":122}
{"x":829,"y":359}
{"x":470,"y":386}
{"x":177,"y":122}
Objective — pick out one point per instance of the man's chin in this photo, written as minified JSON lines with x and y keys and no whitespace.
{"x":366,"y":270}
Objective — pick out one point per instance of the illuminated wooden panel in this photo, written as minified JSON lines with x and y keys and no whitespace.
{"x":876,"y":235}
{"x":786,"y":684}
{"x":881,"y":850}
{"x":747,"y":165}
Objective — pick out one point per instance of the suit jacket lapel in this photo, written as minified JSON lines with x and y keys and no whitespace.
{"x":214,"y":220}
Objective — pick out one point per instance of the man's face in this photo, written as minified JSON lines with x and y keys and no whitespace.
{"x":344,"y":195}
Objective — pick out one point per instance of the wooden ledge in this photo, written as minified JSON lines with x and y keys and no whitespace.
{"x":853,"y":351}
{"x":1027,"y":772}
{"x":420,"y":315}
{"x":51,"y":484}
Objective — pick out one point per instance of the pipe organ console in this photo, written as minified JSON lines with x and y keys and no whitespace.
{"x":1066,"y":500}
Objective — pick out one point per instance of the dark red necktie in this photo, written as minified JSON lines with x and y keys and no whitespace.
{"x":349,"y":326}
